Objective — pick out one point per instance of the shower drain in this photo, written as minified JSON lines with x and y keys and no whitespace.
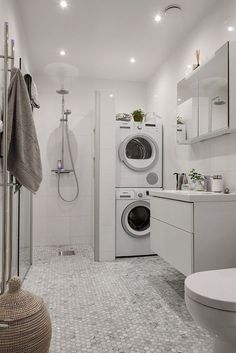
{"x":66,"y":253}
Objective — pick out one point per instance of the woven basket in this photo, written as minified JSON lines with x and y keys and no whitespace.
{"x":25,"y":325}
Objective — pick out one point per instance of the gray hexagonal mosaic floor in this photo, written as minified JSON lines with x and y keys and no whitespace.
{"x":131,"y":305}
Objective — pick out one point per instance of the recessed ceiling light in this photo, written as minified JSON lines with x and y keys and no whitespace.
{"x":62,"y":53}
{"x":63,"y":4}
{"x":111,"y":95}
{"x":158,"y":18}
{"x":132,"y":60}
{"x":179,"y":99}
{"x":230,"y":28}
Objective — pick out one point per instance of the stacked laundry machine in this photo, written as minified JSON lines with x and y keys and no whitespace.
{"x":138,"y":169}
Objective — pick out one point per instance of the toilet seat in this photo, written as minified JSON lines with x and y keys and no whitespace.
{"x":215,"y":289}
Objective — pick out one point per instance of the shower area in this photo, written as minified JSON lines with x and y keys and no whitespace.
{"x":15,"y":206}
{"x":63,"y":207}
{"x":63,"y":163}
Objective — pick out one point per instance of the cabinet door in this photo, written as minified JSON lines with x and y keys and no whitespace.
{"x":203,"y":97}
{"x":176,"y":213}
{"x":174,"y":245}
{"x":188,"y":106}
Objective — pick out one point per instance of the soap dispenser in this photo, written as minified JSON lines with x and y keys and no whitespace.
{"x":185,"y":184}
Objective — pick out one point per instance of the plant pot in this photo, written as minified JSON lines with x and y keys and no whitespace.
{"x":138,"y":120}
{"x":198,"y":185}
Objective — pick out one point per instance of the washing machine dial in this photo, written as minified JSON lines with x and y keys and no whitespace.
{"x":140,"y":194}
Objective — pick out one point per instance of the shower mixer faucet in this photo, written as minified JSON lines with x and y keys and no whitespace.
{"x":66,"y":113}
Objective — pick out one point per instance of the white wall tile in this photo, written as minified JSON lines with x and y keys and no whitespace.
{"x":79,"y":228}
{"x":210,"y":156}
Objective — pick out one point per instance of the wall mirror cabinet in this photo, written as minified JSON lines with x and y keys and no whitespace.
{"x":207,"y":98}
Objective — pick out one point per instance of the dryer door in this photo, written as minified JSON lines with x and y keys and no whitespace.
{"x":139,"y":152}
{"x":136,"y":219}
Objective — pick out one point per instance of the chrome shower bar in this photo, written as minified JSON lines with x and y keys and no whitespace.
{"x":9,"y":57}
{"x":6,"y":179}
{"x":11,"y":193}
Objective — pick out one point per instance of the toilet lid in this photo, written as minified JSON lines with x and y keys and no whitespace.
{"x":216,"y":289}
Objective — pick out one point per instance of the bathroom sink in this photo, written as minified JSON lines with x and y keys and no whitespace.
{"x":193,"y":196}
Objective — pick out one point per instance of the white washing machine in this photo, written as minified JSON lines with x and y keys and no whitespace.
{"x":138,"y":154}
{"x":132,"y":222}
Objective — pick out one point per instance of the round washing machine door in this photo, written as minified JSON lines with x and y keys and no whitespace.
{"x":139,"y":152}
{"x":136,"y":219}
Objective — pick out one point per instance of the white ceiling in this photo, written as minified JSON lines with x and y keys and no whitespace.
{"x":100,"y":36}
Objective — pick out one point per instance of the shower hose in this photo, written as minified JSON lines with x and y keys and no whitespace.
{"x":74,"y":172}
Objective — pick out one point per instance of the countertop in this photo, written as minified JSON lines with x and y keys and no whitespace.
{"x":192,"y":196}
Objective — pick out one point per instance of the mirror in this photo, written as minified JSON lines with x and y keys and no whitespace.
{"x":203,"y":97}
{"x":188,"y":106}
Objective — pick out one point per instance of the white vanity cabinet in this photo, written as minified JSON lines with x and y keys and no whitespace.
{"x":194,"y":231}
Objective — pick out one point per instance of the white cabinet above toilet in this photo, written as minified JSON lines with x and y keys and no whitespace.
{"x":194,"y":231}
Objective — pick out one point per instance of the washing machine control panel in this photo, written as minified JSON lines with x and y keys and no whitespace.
{"x":133,"y":194}
{"x":141,"y":194}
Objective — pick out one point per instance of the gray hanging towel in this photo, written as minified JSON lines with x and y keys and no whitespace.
{"x":24,"y":160}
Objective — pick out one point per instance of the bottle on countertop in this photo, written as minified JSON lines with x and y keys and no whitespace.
{"x":217,"y":184}
{"x":59,"y":164}
{"x":181,"y":179}
{"x":185,"y":184}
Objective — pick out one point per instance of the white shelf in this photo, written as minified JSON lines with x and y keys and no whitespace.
{"x":207,"y":136}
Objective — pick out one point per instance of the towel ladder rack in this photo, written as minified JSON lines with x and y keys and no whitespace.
{"x":7,"y":179}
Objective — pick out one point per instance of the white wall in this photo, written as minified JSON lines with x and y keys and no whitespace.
{"x":56,"y":222}
{"x":213,"y":156}
{"x":9,"y":13}
{"x":105,"y":177}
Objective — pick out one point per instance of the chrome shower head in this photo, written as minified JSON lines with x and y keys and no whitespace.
{"x":218,"y":101}
{"x":62,"y":91}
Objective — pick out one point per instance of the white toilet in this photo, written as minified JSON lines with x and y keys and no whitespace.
{"x":211,"y":300}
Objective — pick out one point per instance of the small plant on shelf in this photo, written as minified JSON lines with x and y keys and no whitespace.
{"x":195,"y":176}
{"x":180,"y":120}
{"x":198,"y":180}
{"x":138,"y":115}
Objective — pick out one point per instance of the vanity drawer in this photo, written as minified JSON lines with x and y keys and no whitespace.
{"x":176,"y":213}
{"x":172,"y":244}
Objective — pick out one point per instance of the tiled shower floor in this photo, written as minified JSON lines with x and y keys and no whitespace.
{"x":131,"y":305}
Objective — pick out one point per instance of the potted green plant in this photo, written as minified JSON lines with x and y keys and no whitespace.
{"x":138,"y":115}
{"x":180,"y":120}
{"x":198,"y":180}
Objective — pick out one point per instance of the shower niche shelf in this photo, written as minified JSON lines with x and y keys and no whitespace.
{"x":206,"y":99}
{"x":62,"y":171}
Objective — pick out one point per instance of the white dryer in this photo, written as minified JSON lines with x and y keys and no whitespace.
{"x":132,"y":222}
{"x":138,"y":154}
